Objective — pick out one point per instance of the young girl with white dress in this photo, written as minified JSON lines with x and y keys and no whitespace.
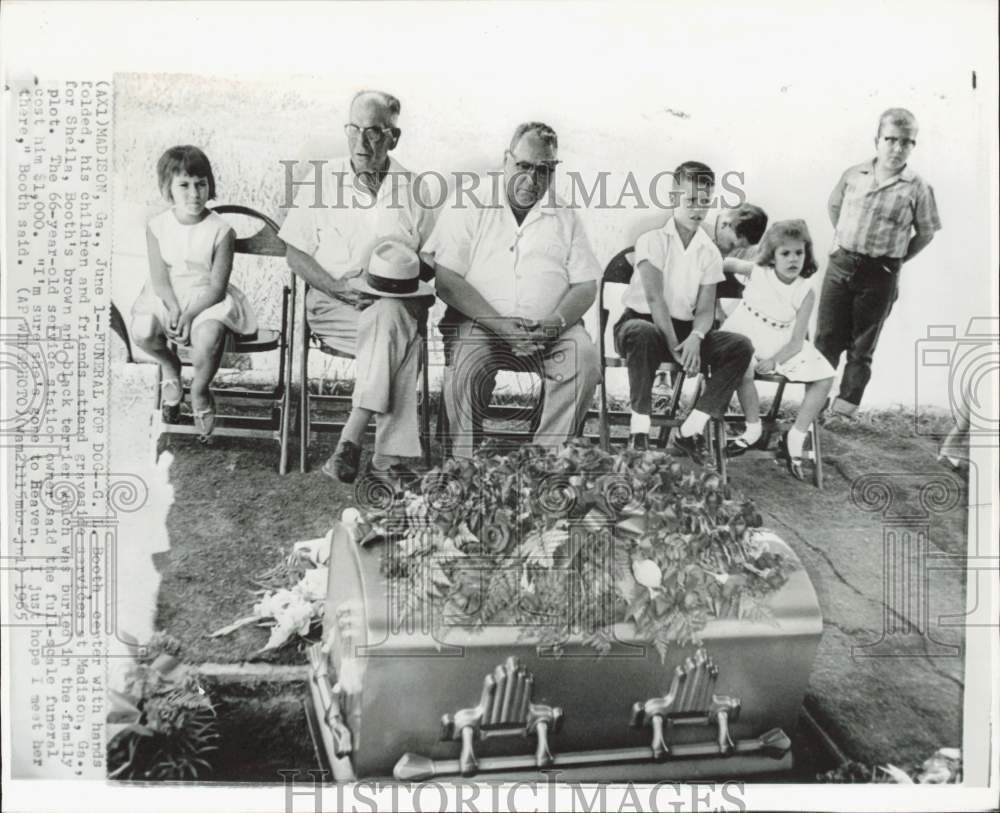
{"x":188,"y":300}
{"x":774,"y":315}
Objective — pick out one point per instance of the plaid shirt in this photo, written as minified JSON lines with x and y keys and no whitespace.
{"x":876,"y":219}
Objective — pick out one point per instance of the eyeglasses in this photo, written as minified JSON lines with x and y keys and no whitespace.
{"x":542,"y":171}
{"x":373,"y":135}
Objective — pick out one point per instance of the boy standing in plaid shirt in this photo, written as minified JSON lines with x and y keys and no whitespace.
{"x":884,"y":215}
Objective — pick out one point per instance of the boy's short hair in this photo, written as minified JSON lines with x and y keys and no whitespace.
{"x":749,"y":221}
{"x":787,"y":230}
{"x":898,"y":117}
{"x":694,"y":172}
{"x":187,"y":159}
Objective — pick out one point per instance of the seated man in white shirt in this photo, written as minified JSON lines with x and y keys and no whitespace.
{"x":520,"y":275}
{"x":331,"y":230}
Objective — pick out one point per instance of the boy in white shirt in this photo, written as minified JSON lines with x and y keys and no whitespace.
{"x":669,"y":311}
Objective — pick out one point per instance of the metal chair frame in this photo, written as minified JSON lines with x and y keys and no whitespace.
{"x":276,"y":425}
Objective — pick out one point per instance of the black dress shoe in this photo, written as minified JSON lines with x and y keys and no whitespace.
{"x":170,"y":413}
{"x":692,"y":447}
{"x":638,"y":441}
{"x":794,"y":463}
{"x":344,"y":462}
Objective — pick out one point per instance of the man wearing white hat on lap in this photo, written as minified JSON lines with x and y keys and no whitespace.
{"x":331,"y":232}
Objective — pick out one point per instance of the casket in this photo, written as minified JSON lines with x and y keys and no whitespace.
{"x":393,"y":701}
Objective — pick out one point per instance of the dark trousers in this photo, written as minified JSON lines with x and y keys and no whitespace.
{"x":858,"y":294}
{"x":644,"y":349}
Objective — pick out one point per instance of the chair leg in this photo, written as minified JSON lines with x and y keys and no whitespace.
{"x":442,"y":427}
{"x":817,"y":456}
{"x":157,"y":428}
{"x":677,"y":387}
{"x":771,"y":419}
{"x":604,"y":430}
{"x":720,"y":449}
{"x":425,"y":405}
{"x":288,"y":324}
{"x":304,"y":396}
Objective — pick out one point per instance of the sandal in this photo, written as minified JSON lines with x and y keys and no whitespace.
{"x":171,"y":395}
{"x":794,"y":464}
{"x":204,"y":419}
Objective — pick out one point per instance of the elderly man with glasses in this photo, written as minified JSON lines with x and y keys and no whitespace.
{"x":518,"y":274}
{"x":359,"y":202}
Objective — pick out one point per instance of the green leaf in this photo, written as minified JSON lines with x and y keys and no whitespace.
{"x":638,"y":605}
{"x":122,"y":705}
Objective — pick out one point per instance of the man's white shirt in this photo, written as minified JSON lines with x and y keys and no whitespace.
{"x":341,"y":234}
{"x":521,"y":270}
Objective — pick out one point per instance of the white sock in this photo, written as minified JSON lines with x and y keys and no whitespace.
{"x":796,"y":437}
{"x":694,"y":424}
{"x":752,"y":433}
{"x":639,"y":424}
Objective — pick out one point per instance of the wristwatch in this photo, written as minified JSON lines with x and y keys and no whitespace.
{"x":699,"y":334}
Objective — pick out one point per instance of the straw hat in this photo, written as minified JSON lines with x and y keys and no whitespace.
{"x":393,"y":271}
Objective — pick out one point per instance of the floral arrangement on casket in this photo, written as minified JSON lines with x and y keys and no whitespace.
{"x":570,"y":542}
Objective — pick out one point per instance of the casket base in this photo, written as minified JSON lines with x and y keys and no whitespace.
{"x":770,"y":749}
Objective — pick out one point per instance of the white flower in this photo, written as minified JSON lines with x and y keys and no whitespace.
{"x":271,"y":605}
{"x":313,"y":585}
{"x":293,"y":618}
{"x":316,"y":551}
{"x":647,"y":573}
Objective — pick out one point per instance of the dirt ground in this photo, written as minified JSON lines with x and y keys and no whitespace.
{"x":233,"y":517}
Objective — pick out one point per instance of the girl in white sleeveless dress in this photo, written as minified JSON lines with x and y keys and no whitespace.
{"x":188,"y":299}
{"x":774,"y":315}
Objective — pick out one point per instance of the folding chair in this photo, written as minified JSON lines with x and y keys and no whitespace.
{"x":307,"y":426}
{"x":275,"y":425}
{"x":732,"y":289}
{"x":507,"y":413}
{"x":619,"y":272}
